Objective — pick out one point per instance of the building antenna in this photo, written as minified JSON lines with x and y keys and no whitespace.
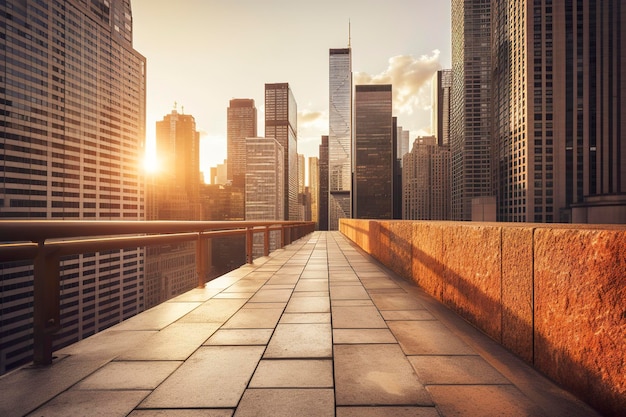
{"x":349,"y":34}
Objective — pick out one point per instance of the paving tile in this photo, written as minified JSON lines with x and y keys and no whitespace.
{"x":387,"y":412}
{"x":311,"y":285}
{"x":287,"y":403}
{"x":407,"y":315}
{"x":264,"y":305}
{"x":182,"y":413}
{"x":351,"y":303}
{"x":213,"y":311}
{"x":469,"y":370}
{"x":308,"y":305}
{"x":124,"y":375}
{"x":284,"y":279}
{"x":428,"y":338}
{"x":305,"y":318}
{"x":311,"y":294}
{"x":243,"y":295}
{"x":214,"y":376}
{"x":300,"y":341}
{"x":293,"y":373}
{"x":376,"y":375}
{"x":357,"y":318}
{"x":269,"y":296}
{"x":158,"y":317}
{"x":348,"y":292}
{"x":482,"y":401}
{"x":175,"y":342}
{"x":234,"y":337}
{"x":246,"y":285}
{"x":254,"y":318}
{"x":362,"y":336}
{"x":400,"y":301}
{"x":76,"y":403}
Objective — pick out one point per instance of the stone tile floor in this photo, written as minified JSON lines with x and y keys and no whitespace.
{"x":315,"y":329}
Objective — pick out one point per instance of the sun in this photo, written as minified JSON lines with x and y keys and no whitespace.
{"x":151,"y":163}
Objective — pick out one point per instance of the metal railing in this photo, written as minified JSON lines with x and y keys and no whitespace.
{"x":46,"y":241}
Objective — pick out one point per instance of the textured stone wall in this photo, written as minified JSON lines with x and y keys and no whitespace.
{"x":555,"y":295}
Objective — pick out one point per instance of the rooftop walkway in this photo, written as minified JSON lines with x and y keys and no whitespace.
{"x":315,"y":329}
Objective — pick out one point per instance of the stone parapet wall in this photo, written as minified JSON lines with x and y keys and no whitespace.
{"x":555,"y":295}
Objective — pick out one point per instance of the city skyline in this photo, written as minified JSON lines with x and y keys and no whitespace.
{"x":410,"y":43}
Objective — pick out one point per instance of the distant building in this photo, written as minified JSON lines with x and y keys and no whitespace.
{"x":264,"y":192}
{"x":441,"y":106}
{"x":340,"y":136}
{"x":73,"y":105}
{"x":426,"y":181}
{"x":323,"y":210}
{"x":402,"y":142}
{"x":281,"y":123}
{"x":374,"y":152}
{"x":472,"y":110}
{"x":314,"y":189}
{"x":241,"y":123}
{"x":173,"y":194}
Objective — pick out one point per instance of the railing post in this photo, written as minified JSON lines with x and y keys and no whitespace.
{"x":249,"y":244}
{"x":201,"y":260}
{"x":46,"y":308}
{"x":266,"y":241}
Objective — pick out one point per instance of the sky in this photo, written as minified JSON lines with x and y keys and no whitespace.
{"x":203,"y":53}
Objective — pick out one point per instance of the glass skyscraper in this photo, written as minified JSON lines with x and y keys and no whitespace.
{"x":340,"y":136}
{"x":241,"y":124}
{"x":72,"y":100}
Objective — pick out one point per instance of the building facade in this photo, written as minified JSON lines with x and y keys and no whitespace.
{"x":441,"y":105}
{"x":340,"y":137}
{"x":281,"y":123}
{"x":73,"y":101}
{"x":314,"y":188}
{"x":323,"y":194}
{"x":241,"y":123}
{"x":375,"y":155}
{"x":426,"y":181}
{"x":471,"y":112}
{"x":560,"y":115}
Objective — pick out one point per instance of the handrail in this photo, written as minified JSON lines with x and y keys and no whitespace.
{"x":45,"y":241}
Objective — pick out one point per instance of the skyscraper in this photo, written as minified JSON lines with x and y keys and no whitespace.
{"x":560,"y":110}
{"x":314,"y":188}
{"x":470,"y":129}
{"x":173,"y":194}
{"x":323,"y":190}
{"x":264,"y":198}
{"x":374,"y":152}
{"x":281,"y":123}
{"x":440,"y":116}
{"x":340,"y":136}
{"x":241,"y":124}
{"x":73,"y":104}
{"x":426,"y":181}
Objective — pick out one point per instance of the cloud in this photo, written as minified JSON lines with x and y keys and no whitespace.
{"x":410,"y":77}
{"x":309,"y":117}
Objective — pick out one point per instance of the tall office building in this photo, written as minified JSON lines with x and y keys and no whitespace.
{"x":314,"y":188}
{"x":440,"y":113}
{"x":241,"y":123}
{"x":340,"y":136}
{"x":73,"y":119}
{"x":403,"y":142}
{"x":426,"y":181}
{"x":471,"y":115}
{"x":173,"y":194}
{"x":323,"y":190}
{"x":281,"y":123}
{"x":560,"y":96}
{"x":374,"y":152}
{"x":264,"y":191}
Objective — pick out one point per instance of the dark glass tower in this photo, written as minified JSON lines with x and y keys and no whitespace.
{"x":374,"y":152}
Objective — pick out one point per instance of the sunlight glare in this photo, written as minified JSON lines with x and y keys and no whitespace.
{"x":151,"y":163}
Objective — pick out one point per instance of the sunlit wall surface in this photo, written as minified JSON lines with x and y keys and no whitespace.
{"x":340,"y":136}
{"x":73,"y":119}
{"x":241,"y":124}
